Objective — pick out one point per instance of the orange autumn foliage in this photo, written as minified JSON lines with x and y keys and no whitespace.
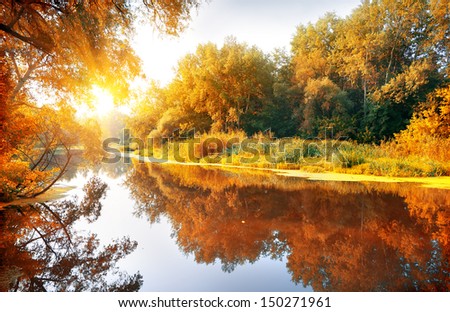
{"x":428,"y":134}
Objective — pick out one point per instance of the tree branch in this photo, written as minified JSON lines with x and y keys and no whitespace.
{"x":25,"y":39}
{"x":61,"y":173}
{"x":56,"y":216}
{"x":25,"y":77}
{"x":16,"y":18}
{"x":40,"y":234}
{"x":47,"y":148}
{"x":49,"y":5}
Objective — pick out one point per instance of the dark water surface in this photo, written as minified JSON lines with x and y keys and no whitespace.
{"x":189,"y":228}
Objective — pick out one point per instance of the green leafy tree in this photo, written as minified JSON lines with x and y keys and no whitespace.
{"x":325,"y":106}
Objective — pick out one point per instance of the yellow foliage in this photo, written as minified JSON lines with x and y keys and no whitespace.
{"x":405,"y":84}
{"x":429,"y":131}
{"x":16,"y":178}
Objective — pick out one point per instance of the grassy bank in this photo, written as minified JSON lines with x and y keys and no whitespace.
{"x":314,"y":156}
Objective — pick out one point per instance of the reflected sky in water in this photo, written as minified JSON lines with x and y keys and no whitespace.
{"x":204,"y":229}
{"x":159,"y":259}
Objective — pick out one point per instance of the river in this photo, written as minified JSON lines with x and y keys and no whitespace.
{"x":168,"y":227}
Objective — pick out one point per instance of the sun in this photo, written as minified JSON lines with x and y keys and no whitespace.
{"x":102,"y":101}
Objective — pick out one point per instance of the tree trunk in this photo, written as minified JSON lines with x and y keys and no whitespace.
{"x":365,"y":98}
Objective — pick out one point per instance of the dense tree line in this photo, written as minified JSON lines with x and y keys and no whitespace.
{"x":363,"y":76}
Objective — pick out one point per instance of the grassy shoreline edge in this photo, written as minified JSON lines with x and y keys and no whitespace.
{"x":441,"y":182}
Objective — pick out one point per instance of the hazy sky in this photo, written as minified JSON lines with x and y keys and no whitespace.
{"x":266,"y":24}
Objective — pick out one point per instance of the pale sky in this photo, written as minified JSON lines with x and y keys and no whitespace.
{"x":268,"y":24}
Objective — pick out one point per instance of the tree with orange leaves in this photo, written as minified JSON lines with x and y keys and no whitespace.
{"x":64,"y":47}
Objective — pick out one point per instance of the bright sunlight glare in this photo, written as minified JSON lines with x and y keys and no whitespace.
{"x":101,"y":104}
{"x":102,"y":101}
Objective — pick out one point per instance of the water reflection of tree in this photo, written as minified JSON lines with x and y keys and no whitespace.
{"x":336,"y":236}
{"x":41,"y":251}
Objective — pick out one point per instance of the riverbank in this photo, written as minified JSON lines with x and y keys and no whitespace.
{"x":313,"y":156}
{"x":55,"y":193}
{"x":440,"y":182}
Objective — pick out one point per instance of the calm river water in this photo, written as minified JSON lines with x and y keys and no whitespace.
{"x":204,"y":229}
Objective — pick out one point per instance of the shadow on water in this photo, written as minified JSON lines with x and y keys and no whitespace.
{"x":40,"y":249}
{"x":336,"y":236}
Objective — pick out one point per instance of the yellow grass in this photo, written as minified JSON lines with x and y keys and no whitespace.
{"x":429,"y":182}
